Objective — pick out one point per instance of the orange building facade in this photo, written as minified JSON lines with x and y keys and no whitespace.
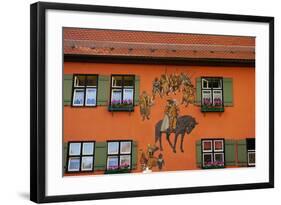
{"x":100,"y":137}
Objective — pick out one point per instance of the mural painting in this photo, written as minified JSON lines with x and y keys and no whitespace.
{"x":133,"y":117}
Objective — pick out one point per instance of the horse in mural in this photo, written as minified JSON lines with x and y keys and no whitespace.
{"x":185,"y":124}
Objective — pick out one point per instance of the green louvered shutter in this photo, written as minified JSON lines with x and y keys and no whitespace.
{"x":134,"y":155}
{"x":103,"y":90}
{"x":67,"y":89}
{"x":230,"y":153}
{"x":137,"y":89}
{"x":227,"y":91}
{"x":198,"y":91}
{"x":65,"y":149}
{"x":242,"y":152}
{"x":198,"y":154}
{"x":100,"y":156}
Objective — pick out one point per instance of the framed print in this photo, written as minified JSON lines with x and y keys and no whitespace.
{"x":124,"y":105}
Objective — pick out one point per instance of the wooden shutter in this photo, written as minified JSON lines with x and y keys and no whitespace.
{"x":198,"y":91}
{"x":227,"y":91}
{"x":134,"y":155}
{"x":242,"y":153}
{"x":100,"y":156}
{"x":65,"y":149}
{"x":198,"y":154}
{"x":103,"y":90}
{"x":137,"y":89}
{"x":67,"y":89}
{"x":230,"y":153}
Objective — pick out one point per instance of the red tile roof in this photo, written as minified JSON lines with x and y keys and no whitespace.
{"x":139,"y":43}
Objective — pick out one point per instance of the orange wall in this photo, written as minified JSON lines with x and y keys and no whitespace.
{"x":100,"y":125}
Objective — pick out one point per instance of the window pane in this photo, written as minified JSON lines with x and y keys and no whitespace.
{"x":207,"y":159}
{"x":116,"y":81}
{"x":79,"y":80}
{"x":251,"y":158}
{"x":113,"y":147}
{"x":218,"y":145}
{"x":219,"y":157}
{"x":78,"y":97}
{"x":112,"y":162}
{"x":74,"y":164}
{"x":91,"y":96}
{"x":217,"y":97}
{"x":206,"y":97}
{"x":207,"y":146}
{"x":74,"y":149}
{"x":88,"y":148}
{"x":116,"y":96}
{"x":92,"y":80}
{"x":128,"y":81}
{"x":204,"y":83}
{"x":125,"y":148}
{"x":251,"y":145}
{"x":216,"y":83}
{"x":128,"y":96}
{"x":125,"y":161}
{"x":87,"y":164}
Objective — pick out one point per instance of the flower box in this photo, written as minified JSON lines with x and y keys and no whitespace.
{"x":121,"y":106}
{"x":211,"y":109}
{"x":118,"y":170}
{"x":214,"y":165}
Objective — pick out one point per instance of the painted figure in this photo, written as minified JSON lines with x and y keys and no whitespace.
{"x":156,"y":88}
{"x":146,"y":103}
{"x":166,"y":120}
{"x":185,"y":124}
{"x":185,"y":80}
{"x":160,"y":161}
{"x":173,"y":113}
{"x":148,"y":160}
{"x":165,"y":85}
{"x":188,"y":95}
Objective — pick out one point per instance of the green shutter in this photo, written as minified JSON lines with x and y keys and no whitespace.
{"x":227,"y":91}
{"x":198,"y":91}
{"x":198,"y":153}
{"x":242,"y":153}
{"x":103,"y":90}
{"x":67,"y":89}
{"x":134,"y":155}
{"x":100,"y":156}
{"x":137,"y":89}
{"x":65,"y":149}
{"x":230,"y":153}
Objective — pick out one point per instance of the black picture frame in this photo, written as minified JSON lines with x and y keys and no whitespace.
{"x":38,"y":98}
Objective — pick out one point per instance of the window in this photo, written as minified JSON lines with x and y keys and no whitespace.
{"x":212,"y":153}
{"x":80,"y":156}
{"x":122,"y":92}
{"x":85,"y":90}
{"x":212,"y":94}
{"x":251,"y":152}
{"x":119,"y":155}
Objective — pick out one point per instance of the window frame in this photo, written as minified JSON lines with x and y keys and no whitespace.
{"x":213,"y":152}
{"x":250,"y":151}
{"x":84,"y":88}
{"x":122,"y":87}
{"x":118,"y":155}
{"x":212,"y":107}
{"x":80,"y":156}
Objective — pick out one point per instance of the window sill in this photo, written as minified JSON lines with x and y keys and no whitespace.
{"x":212,"y":109}
{"x":121,"y":108}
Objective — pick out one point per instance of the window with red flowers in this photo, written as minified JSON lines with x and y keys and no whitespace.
{"x":213,"y":153}
{"x":212,"y":94}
